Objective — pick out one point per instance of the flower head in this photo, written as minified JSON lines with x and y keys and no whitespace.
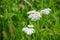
{"x":21,"y":6}
{"x":34,"y":15}
{"x":28,"y":30}
{"x":45,"y":11}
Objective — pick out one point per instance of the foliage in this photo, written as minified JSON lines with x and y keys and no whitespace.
{"x":14,"y":19}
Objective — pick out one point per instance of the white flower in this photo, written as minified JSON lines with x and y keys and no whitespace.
{"x":31,"y":26}
{"x":45,"y":11}
{"x":28,"y":31}
{"x":34,"y":15}
{"x":31,"y":12}
{"x":25,"y":29}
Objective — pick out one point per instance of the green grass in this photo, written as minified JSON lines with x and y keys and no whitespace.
{"x":48,"y":28}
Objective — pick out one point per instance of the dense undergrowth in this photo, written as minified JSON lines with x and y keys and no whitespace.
{"x":13,"y":19}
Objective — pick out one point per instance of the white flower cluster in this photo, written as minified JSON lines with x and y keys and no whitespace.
{"x":34,"y":15}
{"x":45,"y":11}
{"x":28,"y":30}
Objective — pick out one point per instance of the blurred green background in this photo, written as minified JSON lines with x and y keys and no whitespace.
{"x":13,"y":18}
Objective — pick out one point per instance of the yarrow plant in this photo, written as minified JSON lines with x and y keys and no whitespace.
{"x":45,"y":11}
{"x":34,"y":15}
{"x":29,"y":30}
